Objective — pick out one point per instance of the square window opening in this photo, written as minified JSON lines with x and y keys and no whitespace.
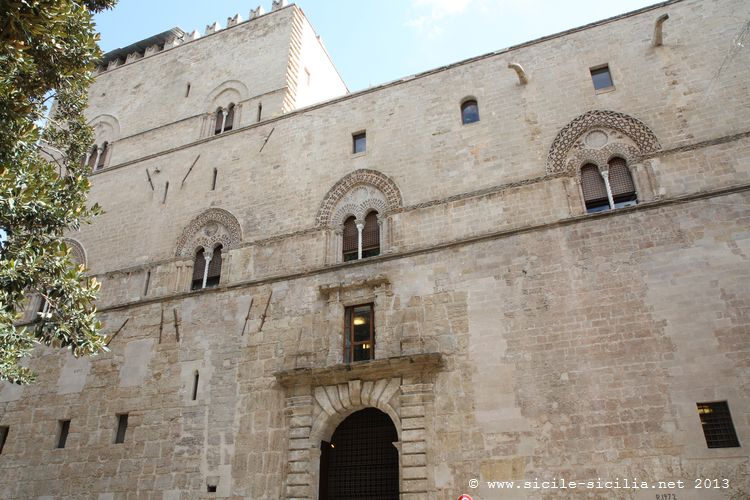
{"x":718,"y":428}
{"x":602,"y":78}
{"x":359,"y":143}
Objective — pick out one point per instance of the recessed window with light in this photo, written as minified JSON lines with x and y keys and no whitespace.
{"x":717,"y":424}
{"x":359,"y":333}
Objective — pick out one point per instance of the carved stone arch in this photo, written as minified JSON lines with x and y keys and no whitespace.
{"x":106,"y":129}
{"x":213,"y":226}
{"x":644,"y":139}
{"x":601,"y":157}
{"x":339,"y":401}
{"x":331,"y":209}
{"x":231,"y":91}
{"x":343,"y":212}
{"x":77,"y":251}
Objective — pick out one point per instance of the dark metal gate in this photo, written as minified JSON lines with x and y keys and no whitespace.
{"x":360,"y":462}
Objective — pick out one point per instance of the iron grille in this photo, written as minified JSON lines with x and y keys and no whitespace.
{"x":360,"y":461}
{"x":717,"y":425}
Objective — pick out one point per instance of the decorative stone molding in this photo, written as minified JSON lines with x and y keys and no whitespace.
{"x":644,"y":139}
{"x":318,"y":400}
{"x":213,"y":226}
{"x":106,"y":129}
{"x":357,"y":193}
{"x":77,"y":252}
{"x":401,"y":366}
{"x":579,"y":156}
{"x":230,"y":91}
{"x":337,"y":289}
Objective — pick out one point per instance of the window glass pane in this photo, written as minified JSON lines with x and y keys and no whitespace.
{"x":361,"y":323}
{"x":601,"y":78}
{"x":362,"y":352}
{"x":470,"y":112}
{"x":360,"y":143}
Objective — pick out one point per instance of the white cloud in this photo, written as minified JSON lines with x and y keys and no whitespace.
{"x":428,"y":24}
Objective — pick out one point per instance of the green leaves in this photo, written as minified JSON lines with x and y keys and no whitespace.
{"x":46,"y":46}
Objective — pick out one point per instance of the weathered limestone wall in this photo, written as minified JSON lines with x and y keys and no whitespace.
{"x":516,"y":336}
{"x":567,"y":351}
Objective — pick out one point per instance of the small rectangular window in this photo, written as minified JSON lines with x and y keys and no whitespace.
{"x":3,"y":436}
{"x":717,"y":425}
{"x":359,"y":333}
{"x":62,"y":433}
{"x":122,"y":427}
{"x":359,"y":143}
{"x":602,"y":78}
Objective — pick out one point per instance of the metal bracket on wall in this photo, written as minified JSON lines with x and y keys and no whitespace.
{"x":176,"y":325}
{"x":148,"y":175}
{"x":116,"y":332}
{"x":189,"y":170}
{"x":247,"y":317}
{"x":263,"y":316}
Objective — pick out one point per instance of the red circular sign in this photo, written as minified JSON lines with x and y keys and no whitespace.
{"x":465,"y":497}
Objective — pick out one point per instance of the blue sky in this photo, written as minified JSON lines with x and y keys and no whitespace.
{"x":373,"y":42}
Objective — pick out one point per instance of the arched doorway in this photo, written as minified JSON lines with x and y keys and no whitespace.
{"x":360,"y":461}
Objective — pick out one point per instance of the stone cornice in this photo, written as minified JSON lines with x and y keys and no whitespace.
{"x":417,"y":364}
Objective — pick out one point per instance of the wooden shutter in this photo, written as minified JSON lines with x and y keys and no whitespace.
{"x":350,"y":235}
{"x":219,"y":121}
{"x":371,"y":232}
{"x":230,"y":118}
{"x":620,"y":180}
{"x":214,"y":268}
{"x":592,"y":183}
{"x":198,"y":268}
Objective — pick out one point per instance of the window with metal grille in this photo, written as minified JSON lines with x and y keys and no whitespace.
{"x":717,"y":425}
{"x":594,"y":189}
{"x":62,"y":433}
{"x":360,"y":461}
{"x":3,"y":436}
{"x":469,"y":112}
{"x":102,"y":156}
{"x":351,"y":239}
{"x":214,"y":268}
{"x":122,"y":427}
{"x":359,"y":333}
{"x":199,"y":269}
{"x":371,"y":236}
{"x":621,"y":183}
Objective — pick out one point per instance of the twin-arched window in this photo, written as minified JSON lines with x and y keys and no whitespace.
{"x":361,"y":240}
{"x":224,"y":119}
{"x":96,"y":158}
{"x":207,"y":268}
{"x":610,"y":189}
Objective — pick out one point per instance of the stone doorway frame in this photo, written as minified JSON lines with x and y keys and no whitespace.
{"x":319,"y":399}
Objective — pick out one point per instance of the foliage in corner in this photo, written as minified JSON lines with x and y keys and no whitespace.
{"x":48,"y":49}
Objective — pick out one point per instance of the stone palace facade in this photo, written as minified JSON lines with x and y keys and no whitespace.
{"x":532,"y":265}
